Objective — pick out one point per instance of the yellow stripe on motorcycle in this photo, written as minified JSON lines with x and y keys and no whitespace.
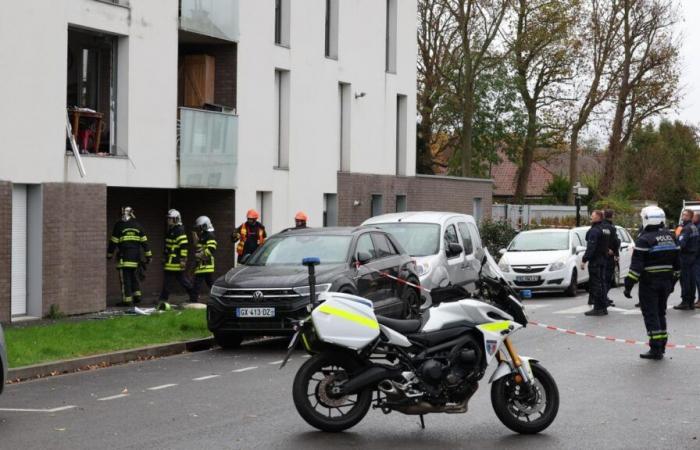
{"x":495,"y":327}
{"x":347,"y":315}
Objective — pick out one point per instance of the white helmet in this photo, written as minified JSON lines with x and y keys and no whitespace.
{"x":127,"y":213}
{"x":174,"y":215}
{"x":203,"y":223}
{"x":652,"y":215}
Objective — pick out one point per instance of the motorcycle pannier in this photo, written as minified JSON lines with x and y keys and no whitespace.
{"x":345,"y":320}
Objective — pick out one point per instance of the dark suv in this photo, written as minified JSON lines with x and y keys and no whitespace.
{"x":258,"y":298}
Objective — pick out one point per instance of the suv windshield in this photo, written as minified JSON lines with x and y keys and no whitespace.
{"x":539,"y":242}
{"x":291,"y":250}
{"x":418,"y":239}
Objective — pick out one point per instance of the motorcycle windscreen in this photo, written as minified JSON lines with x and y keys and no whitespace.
{"x":508,"y":302}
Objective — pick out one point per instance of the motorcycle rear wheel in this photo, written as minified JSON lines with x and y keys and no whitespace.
{"x":522,"y":416}
{"x":314,"y":401}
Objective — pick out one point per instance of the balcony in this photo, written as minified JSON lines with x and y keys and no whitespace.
{"x":214,"y":18}
{"x":208,"y":149}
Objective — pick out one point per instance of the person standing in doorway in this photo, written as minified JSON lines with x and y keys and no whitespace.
{"x":598,"y":243}
{"x":204,"y":255}
{"x":249,"y":236}
{"x":175,"y":257}
{"x":129,"y":239}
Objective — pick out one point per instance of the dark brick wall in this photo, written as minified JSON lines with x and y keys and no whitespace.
{"x":422,"y":194}
{"x":73,"y":245}
{"x":151,"y":206}
{"x":5,"y":249}
{"x":225,"y":72}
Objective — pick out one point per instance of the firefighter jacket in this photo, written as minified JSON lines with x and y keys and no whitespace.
{"x":206,"y":246}
{"x":598,"y":242}
{"x":128,"y":237}
{"x":175,"y":249}
{"x":250,"y":237}
{"x":655,"y":255}
{"x":688,"y":240}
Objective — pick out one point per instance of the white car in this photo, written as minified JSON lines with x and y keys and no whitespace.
{"x":444,"y":245}
{"x":545,"y":260}
{"x":626,"y":247}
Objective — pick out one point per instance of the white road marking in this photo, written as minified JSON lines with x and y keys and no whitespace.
{"x":208,"y":377}
{"x":536,"y":305}
{"x":163,"y":386}
{"x":112,"y":397}
{"x":277,"y":362}
{"x":245,"y":369}
{"x":52,"y":410}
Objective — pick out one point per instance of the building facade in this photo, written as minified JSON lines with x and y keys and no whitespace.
{"x":209,"y":106}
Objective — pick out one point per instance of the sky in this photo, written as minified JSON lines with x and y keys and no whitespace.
{"x":689,"y":28}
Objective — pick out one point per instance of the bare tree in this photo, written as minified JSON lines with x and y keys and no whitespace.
{"x":649,"y":73}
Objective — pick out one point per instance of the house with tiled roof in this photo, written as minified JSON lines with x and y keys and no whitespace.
{"x":505,"y":175}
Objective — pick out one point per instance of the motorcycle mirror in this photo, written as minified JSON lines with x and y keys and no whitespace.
{"x":502,"y":251}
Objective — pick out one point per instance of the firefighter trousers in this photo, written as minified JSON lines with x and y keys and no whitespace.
{"x":199,"y":280}
{"x":170,"y":278}
{"x":131,"y":288}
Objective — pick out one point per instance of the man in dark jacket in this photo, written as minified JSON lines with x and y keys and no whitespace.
{"x":129,"y":239}
{"x":655,"y":265}
{"x":688,"y":242}
{"x":598,"y":244}
{"x":696,"y":267}
{"x":250,"y":235}
{"x":613,"y":254}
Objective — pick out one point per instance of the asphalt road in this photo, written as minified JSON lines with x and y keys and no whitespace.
{"x":240,"y":400}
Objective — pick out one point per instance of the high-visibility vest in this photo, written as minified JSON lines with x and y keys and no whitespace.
{"x":244,"y":233}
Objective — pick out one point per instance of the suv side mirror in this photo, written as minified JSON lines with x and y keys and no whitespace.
{"x":363,"y":257}
{"x":580,"y":249}
{"x":454,"y":249}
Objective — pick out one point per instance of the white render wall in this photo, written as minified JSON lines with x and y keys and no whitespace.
{"x":33,"y":49}
{"x":314,"y":103}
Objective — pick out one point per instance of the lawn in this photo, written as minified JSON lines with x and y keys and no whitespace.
{"x":35,"y":344}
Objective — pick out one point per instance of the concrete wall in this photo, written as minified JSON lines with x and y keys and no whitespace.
{"x":422,"y":193}
{"x":314,"y":102}
{"x":5,"y":249}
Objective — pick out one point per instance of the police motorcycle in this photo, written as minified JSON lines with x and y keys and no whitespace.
{"x":429,"y":365}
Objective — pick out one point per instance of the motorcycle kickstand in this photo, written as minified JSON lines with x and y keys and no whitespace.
{"x":422,"y":422}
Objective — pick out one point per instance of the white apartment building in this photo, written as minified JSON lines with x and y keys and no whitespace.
{"x":208,"y":106}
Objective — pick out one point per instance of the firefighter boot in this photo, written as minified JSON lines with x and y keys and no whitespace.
{"x":655,"y":350}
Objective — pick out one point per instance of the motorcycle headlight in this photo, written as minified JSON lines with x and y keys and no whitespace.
{"x":503,"y":265}
{"x":218,"y":291}
{"x":423,"y":268}
{"x":558,"y":265}
{"x":304,"y":290}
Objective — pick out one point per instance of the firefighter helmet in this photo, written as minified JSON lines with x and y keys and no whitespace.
{"x":174,"y":217}
{"x":127,"y":213}
{"x":203,"y":223}
{"x":252,"y":214}
{"x":653,"y":215}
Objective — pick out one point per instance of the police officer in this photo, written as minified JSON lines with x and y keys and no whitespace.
{"x":598,"y":241}
{"x":696,"y":266}
{"x":613,"y":254}
{"x":655,"y":265}
{"x":688,"y":241}
{"x":250,"y":235}
{"x":204,"y":254}
{"x":129,"y":238}
{"x":175,"y":257}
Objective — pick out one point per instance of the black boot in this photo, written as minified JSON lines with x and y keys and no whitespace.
{"x":656,"y":351}
{"x":596,"y":312}
{"x":683,"y":307}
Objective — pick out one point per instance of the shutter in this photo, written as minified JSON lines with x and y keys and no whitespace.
{"x":18,"y":298}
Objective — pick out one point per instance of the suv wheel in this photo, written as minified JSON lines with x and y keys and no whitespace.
{"x":411,"y":302}
{"x":228,"y":341}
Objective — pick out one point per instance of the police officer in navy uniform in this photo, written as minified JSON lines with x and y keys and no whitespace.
{"x":598,"y":241}
{"x":688,"y":241}
{"x":613,"y":254}
{"x":655,"y":265}
{"x":696,"y":266}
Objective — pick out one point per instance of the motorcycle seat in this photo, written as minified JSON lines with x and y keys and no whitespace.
{"x":400,"y":325}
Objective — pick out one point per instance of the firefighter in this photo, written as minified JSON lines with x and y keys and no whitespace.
{"x":129,"y":238}
{"x":175,"y":257}
{"x":688,"y":242}
{"x":655,"y":265}
{"x":598,"y":241}
{"x":613,"y":254}
{"x":204,"y":254}
{"x":300,"y":220}
{"x":250,"y":235}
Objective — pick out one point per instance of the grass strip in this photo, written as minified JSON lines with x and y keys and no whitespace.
{"x":34,"y":344}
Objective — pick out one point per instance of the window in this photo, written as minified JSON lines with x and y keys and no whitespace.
{"x":383,"y":246}
{"x":331,"y":41}
{"x":330,"y":210}
{"x":365,"y":245}
{"x":450,"y":238}
{"x":377,"y":205}
{"x":263,"y":203}
{"x":477,"y":210}
{"x":281,"y":119}
{"x":344,"y":92}
{"x":476,"y":237}
{"x":391,"y":28}
{"x":401,"y":203}
{"x":622,"y":235}
{"x":282,"y":22}
{"x":91,"y":90}
{"x":401,"y":135}
{"x":466,"y":238}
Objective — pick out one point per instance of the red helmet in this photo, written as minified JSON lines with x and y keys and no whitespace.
{"x":301,"y":216}
{"x":252,"y":214}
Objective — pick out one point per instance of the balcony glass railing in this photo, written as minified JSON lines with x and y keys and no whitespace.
{"x":215,"y":18}
{"x":208,"y":149}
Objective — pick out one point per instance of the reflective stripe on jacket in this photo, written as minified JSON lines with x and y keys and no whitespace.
{"x":205,"y":253}
{"x":175,"y":249}
{"x":128,"y":238}
{"x":244,"y":232}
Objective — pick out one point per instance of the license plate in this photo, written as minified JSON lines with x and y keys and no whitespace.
{"x":255,"y":312}
{"x":527,"y":278}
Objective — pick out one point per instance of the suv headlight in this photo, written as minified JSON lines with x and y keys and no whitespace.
{"x":557,"y":265}
{"x":423,"y":268}
{"x":304,"y":290}
{"x":503,"y":265}
{"x":218,"y":291}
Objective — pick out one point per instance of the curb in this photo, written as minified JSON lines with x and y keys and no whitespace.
{"x":106,"y":359}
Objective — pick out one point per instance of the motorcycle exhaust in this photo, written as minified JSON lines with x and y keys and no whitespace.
{"x":369,"y":377}
{"x":387,"y":387}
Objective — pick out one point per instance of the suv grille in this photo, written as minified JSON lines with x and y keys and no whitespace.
{"x":252,"y":296}
{"x":529,"y":269}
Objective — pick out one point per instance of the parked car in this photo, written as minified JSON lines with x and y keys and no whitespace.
{"x":3,"y":360}
{"x":260,"y":297}
{"x":626,"y":246}
{"x":545,"y":260}
{"x":444,"y":245}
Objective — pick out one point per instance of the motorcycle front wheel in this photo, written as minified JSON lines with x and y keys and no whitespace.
{"x":315,"y":402}
{"x":526,"y":413}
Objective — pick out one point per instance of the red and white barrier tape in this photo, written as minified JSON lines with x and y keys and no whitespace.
{"x":609,"y":338}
